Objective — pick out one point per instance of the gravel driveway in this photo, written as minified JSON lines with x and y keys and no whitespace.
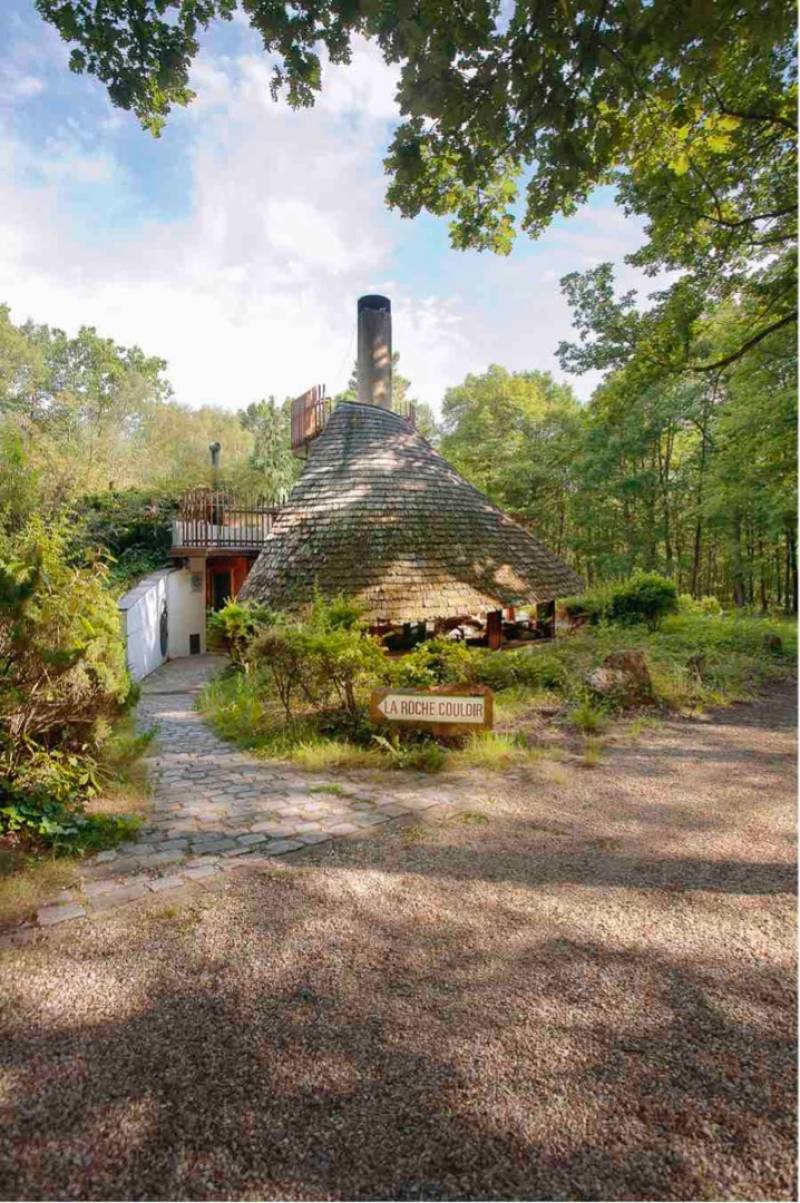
{"x":582,"y":987}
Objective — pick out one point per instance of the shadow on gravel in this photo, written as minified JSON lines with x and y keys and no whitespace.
{"x":311,"y":1037}
{"x":437,"y":1021}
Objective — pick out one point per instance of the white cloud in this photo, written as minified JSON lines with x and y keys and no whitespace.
{"x":19,"y":85}
{"x":367,"y":87}
{"x":253,"y":290}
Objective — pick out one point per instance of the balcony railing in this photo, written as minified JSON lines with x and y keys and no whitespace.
{"x":214,"y":518}
{"x":311,"y":411}
{"x":309,"y":415}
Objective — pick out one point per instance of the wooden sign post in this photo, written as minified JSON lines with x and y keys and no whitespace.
{"x":445,"y":710}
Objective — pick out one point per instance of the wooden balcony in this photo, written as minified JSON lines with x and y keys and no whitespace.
{"x":310,"y":412}
{"x":212,"y":519}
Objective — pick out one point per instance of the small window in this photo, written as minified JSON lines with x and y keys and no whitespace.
{"x":194,"y":645}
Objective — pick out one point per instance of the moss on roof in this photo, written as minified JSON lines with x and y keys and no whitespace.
{"x":379,"y":515}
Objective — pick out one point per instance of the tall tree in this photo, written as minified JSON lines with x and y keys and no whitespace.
{"x":83,"y":415}
{"x":271,"y":459}
{"x":515,"y":435}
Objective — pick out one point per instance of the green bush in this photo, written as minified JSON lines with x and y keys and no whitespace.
{"x":534,"y":668}
{"x":131,"y":525}
{"x":646,"y":597}
{"x":435,"y":662}
{"x":588,"y":717}
{"x":237,"y":625}
{"x":414,"y":751}
{"x":325,"y":659}
{"x":699,"y":605}
{"x":591,"y":607}
{"x":63,"y":679}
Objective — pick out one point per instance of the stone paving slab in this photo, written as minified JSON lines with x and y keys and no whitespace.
{"x":165,"y":883}
{"x":216,"y":809}
{"x":118,"y":897}
{"x":46,"y":916}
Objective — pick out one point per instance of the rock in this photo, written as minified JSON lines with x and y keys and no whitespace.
{"x":624,"y":679}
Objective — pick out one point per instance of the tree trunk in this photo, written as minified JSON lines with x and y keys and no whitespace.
{"x":791,"y":549}
{"x":739,"y":592}
{"x":762,"y":576}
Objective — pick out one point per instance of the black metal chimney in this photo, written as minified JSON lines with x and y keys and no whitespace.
{"x":375,"y":351}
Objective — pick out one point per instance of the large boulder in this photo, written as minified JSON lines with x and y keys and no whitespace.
{"x":624,"y":680}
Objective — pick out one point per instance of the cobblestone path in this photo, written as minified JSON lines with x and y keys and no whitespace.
{"x":216,"y":808}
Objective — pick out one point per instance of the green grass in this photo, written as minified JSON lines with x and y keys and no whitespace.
{"x":642,"y":723}
{"x":318,"y":754}
{"x":470,"y":818}
{"x":736,"y":662}
{"x":491,"y":751}
{"x":518,"y":700}
{"x":415,"y":833}
{"x":588,"y":718}
{"x":592,"y":752}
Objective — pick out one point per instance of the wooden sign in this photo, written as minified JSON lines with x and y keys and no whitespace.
{"x":446,"y":710}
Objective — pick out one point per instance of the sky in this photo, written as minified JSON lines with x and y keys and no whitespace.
{"x":236,"y":245}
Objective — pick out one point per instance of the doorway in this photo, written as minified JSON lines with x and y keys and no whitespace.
{"x":221,"y":588}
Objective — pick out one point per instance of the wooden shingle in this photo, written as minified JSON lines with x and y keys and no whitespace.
{"x":380,"y":516}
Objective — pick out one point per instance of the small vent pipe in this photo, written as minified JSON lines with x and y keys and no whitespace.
{"x":375,"y":351}
{"x":215,"y":449}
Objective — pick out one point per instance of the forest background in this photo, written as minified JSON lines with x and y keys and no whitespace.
{"x":683,"y":460}
{"x":689,"y":474}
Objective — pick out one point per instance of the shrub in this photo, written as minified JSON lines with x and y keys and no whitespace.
{"x":131,"y":525}
{"x":63,"y":677}
{"x":646,"y":597}
{"x":526,"y":666}
{"x":236,"y":625}
{"x":498,"y":670}
{"x":276,"y":653}
{"x":540,"y":670}
{"x":588,"y":717}
{"x":435,"y":662}
{"x":325,"y":659}
{"x":590,"y":607}
{"x":699,"y":605}
{"x":492,"y":751}
{"x":711,"y":606}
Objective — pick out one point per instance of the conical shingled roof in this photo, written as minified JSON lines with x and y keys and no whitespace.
{"x":380,"y":516}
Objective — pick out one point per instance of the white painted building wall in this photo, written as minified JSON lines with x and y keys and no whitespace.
{"x":186,"y":608}
{"x":182,"y":592}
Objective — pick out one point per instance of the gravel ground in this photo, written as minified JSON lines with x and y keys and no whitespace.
{"x":581,"y":988}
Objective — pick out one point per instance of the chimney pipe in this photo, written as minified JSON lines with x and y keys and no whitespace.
{"x":375,"y":351}
{"x":214,"y":448}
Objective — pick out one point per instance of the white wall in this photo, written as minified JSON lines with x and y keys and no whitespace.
{"x":141,"y":609}
{"x":186,"y":608}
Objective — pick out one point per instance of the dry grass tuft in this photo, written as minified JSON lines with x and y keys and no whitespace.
{"x":592,"y":752}
{"x":26,"y":883}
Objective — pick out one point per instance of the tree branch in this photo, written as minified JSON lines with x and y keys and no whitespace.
{"x":747,"y":346}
